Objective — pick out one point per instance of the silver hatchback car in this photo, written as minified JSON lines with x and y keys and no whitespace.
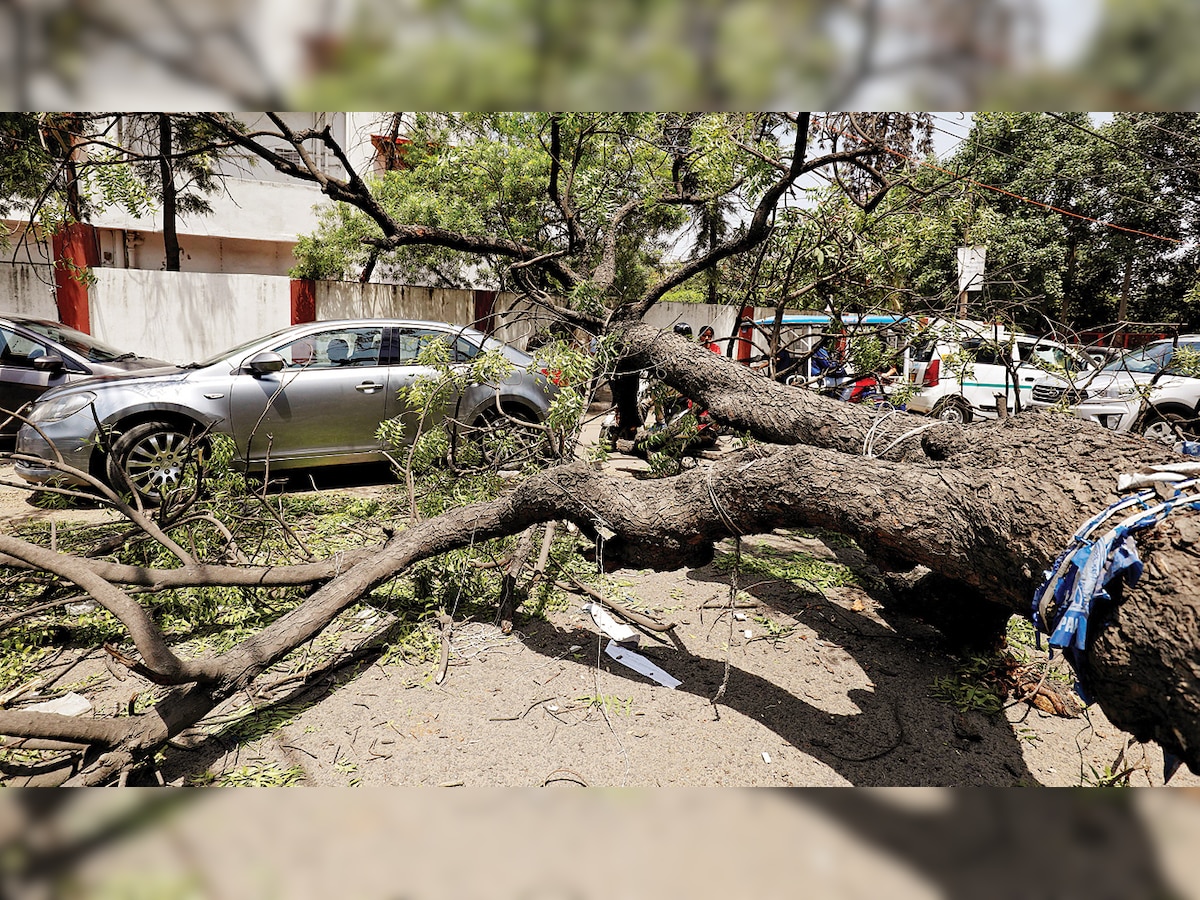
{"x":310,"y":395}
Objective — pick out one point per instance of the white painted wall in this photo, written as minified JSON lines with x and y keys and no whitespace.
{"x":666,"y":314}
{"x":184,"y":316}
{"x":349,"y":300}
{"x":28,"y":290}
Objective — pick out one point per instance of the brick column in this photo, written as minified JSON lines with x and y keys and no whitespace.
{"x":304,"y":301}
{"x":76,"y":253}
{"x":745,"y":333}
{"x":485,"y":307}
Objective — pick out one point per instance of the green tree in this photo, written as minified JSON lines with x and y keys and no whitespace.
{"x":1085,"y":224}
{"x":175,"y":157}
{"x":26,"y":163}
{"x":59,"y":168}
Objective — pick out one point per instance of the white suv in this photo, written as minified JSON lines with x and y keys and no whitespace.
{"x":963,"y":366}
{"x":1145,"y":390}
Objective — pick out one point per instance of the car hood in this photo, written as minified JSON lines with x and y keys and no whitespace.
{"x":1098,"y":382}
{"x":133,"y":364}
{"x":165,"y":373}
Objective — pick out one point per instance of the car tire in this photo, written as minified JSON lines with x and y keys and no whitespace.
{"x":151,"y":458}
{"x":1165,"y":428}
{"x":952,"y":409}
{"x":530,"y":442}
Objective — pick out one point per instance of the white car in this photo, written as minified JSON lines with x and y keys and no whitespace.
{"x":1138,"y":391}
{"x":963,"y":366}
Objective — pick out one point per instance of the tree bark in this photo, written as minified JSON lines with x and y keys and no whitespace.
{"x":170,"y":234}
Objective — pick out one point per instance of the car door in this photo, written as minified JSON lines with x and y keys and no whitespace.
{"x":326,"y":402}
{"x":409,"y":341}
{"x":1178,"y":383}
{"x":20,"y":382}
{"x":990,"y":370}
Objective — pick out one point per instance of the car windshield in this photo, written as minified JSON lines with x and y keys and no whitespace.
{"x":236,"y":351}
{"x":1054,"y":358}
{"x":76,"y":341}
{"x":1144,"y":360}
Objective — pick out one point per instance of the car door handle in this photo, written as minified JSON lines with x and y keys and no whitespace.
{"x":368,"y":387}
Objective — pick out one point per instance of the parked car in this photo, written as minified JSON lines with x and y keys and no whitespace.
{"x":961,"y":366}
{"x":1102,"y":356}
{"x":310,"y":395}
{"x":1147,"y":389}
{"x":37,"y":355}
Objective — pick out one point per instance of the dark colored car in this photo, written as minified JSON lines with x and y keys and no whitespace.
{"x":310,"y":395}
{"x":37,"y":355}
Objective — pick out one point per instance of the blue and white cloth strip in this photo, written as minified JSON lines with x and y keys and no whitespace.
{"x":1064,"y":600}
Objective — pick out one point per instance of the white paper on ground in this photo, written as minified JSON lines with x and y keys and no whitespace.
{"x":641,"y":665}
{"x":618,"y":631}
{"x":71,"y":704}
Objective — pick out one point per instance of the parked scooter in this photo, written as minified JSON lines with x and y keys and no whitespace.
{"x":856,"y":389}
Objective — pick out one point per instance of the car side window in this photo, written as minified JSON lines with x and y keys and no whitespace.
{"x":987,"y":353}
{"x":19,"y":351}
{"x":334,"y":349}
{"x":462,"y":350}
{"x":411,"y":341}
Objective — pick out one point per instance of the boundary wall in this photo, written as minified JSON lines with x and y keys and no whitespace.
{"x":188,"y":316}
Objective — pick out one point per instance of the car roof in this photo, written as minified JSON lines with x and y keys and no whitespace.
{"x":382,"y":320}
{"x":17,"y":319}
{"x":1183,"y":338}
{"x":848,"y":318}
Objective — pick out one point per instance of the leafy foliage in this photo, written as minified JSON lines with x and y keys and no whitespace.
{"x":432,"y":434}
{"x":497,"y":175}
{"x":802,"y":569}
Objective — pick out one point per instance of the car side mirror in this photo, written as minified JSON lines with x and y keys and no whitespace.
{"x":265,"y":363}
{"x":48,"y":362}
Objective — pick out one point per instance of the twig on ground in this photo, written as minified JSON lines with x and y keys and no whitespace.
{"x":564,"y":775}
{"x":447,"y":626}
{"x":528,"y":710}
{"x":577,"y":587}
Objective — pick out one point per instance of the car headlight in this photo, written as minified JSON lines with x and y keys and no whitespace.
{"x":60,"y":408}
{"x":1116,"y":392}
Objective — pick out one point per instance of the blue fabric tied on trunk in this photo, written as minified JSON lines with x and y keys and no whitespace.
{"x":1066,"y":598}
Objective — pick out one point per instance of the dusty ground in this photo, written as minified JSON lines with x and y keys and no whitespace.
{"x":823,"y":686}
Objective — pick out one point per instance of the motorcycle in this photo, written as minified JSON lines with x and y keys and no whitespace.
{"x":856,"y":389}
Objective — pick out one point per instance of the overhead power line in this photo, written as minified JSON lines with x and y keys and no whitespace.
{"x":999,"y":190}
{"x":1059,"y":176}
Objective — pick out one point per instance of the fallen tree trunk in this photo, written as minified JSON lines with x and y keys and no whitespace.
{"x":986,"y":509}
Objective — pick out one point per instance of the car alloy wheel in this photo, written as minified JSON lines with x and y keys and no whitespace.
{"x":151,"y":458}
{"x":953,"y":410}
{"x":1166,"y":428}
